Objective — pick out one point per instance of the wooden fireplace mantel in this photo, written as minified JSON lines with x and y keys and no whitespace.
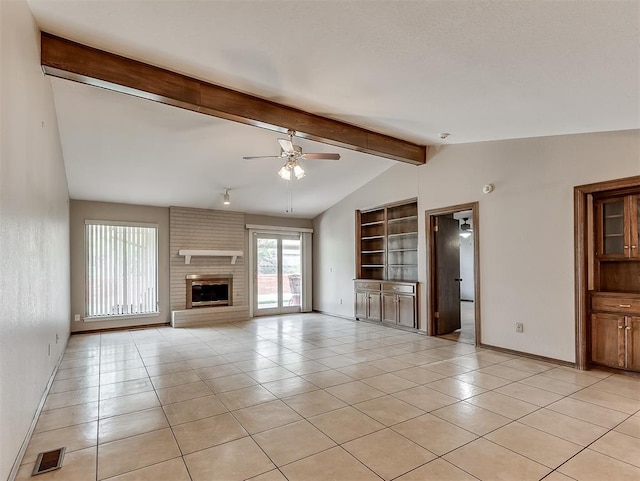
{"x":189,"y":253}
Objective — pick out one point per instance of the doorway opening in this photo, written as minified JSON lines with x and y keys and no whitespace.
{"x":453,"y":310}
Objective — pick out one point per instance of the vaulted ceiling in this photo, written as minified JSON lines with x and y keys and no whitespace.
{"x":481,"y":70}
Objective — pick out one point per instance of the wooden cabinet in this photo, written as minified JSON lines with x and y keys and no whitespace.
{"x":632,"y":332}
{"x":389,"y":302}
{"x":368,"y":299}
{"x":615,"y":330}
{"x":399,"y":303}
{"x":615,"y":298}
{"x":617,"y":226}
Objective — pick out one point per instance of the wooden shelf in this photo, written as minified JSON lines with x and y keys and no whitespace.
{"x":189,"y":253}
{"x":402,"y":219}
{"x":388,"y":235}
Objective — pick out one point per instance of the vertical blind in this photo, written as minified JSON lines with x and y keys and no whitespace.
{"x":122,"y":269}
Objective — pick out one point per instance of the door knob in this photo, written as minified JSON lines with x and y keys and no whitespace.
{"x":457,"y":279}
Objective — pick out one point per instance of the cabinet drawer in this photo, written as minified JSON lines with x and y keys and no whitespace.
{"x":620,"y":304}
{"x":399,"y":288}
{"x":368,"y":286}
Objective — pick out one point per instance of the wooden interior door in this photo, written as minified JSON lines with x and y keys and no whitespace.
{"x":447,"y":274}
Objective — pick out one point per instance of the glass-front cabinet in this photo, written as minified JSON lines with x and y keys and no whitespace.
{"x":618,"y":227}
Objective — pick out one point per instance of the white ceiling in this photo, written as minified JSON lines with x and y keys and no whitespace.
{"x":481,"y":70}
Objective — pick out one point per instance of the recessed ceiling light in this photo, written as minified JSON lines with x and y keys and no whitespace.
{"x":444,"y":135}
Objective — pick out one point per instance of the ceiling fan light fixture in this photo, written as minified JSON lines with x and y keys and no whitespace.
{"x":285,"y":172}
{"x":225,"y":198}
{"x":465,"y":228}
{"x":298,"y":171}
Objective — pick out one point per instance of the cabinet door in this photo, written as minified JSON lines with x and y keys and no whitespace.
{"x":407,"y":311}
{"x":635,"y":226}
{"x":361,"y":304}
{"x":612,"y":242}
{"x":632,"y":335}
{"x":389,"y":311}
{"x":374,"y":306}
{"x":607,"y":339}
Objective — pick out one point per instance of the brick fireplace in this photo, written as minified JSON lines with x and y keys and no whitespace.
{"x":204,"y":229}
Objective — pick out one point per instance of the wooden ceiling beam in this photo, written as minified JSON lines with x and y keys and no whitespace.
{"x":73,"y":61}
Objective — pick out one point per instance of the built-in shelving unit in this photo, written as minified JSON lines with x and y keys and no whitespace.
{"x":388,"y":242}
{"x":189,"y":253}
{"x":387,"y":250}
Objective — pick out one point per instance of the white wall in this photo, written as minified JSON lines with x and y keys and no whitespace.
{"x":526,"y":228}
{"x":34,"y":231}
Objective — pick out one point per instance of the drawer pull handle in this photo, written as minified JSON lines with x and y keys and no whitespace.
{"x":626,"y":247}
{"x":628,"y":328}
{"x":634,"y":247}
{"x":624,"y":305}
{"x":620,"y":327}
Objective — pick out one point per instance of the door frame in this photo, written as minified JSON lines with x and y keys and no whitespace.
{"x":584,"y":252}
{"x":281,"y":308}
{"x":430,"y":222}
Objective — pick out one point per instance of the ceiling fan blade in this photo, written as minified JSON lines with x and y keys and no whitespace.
{"x":263,"y":157}
{"x":321,"y":156}
{"x":287,"y":146}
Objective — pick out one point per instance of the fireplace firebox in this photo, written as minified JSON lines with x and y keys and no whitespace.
{"x":207,"y":290}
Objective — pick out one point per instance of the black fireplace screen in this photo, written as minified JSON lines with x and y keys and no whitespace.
{"x":209,"y":293}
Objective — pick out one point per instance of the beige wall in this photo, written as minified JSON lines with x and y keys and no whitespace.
{"x":526,"y":228}
{"x":34,"y":232}
{"x":82,"y":210}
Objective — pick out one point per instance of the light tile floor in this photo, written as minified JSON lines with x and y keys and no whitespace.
{"x":311,"y":397}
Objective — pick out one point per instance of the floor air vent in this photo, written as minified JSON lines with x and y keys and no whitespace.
{"x":49,"y":461}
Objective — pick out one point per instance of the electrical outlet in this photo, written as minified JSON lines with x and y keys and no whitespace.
{"x":57,"y":338}
{"x":76,"y":318}
{"x":341,"y":300}
{"x":519,"y":327}
{"x":49,"y":352}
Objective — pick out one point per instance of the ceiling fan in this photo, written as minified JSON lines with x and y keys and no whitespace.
{"x":292,"y":154}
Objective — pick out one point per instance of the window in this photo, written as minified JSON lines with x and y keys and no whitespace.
{"x":121,"y":269}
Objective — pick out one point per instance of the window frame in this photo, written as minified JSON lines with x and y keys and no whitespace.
{"x":112,"y":223}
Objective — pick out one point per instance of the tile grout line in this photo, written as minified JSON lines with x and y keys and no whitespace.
{"x":165,"y":416}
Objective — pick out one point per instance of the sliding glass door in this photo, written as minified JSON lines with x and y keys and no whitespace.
{"x":277,"y":276}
